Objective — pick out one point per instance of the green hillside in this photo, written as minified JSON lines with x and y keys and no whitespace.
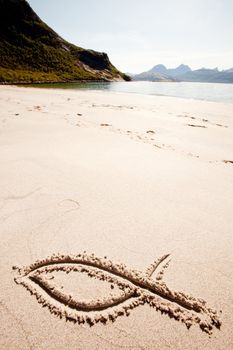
{"x":30,"y":51}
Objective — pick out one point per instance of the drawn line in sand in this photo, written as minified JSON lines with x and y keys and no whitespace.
{"x":135,"y":288}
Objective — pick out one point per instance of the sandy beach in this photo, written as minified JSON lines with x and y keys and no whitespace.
{"x":130,"y":179}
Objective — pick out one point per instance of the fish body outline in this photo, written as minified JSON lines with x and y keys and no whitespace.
{"x":137,"y":288}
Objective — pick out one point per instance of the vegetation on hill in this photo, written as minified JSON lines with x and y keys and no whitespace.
{"x":30,"y":51}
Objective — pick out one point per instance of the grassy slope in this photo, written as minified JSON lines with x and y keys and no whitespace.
{"x":31,"y":51}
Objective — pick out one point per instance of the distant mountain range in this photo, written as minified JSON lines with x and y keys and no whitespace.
{"x":185,"y":73}
{"x":30,"y":51}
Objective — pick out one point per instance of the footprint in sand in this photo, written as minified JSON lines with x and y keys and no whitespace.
{"x":228,"y":161}
{"x":223,"y":126}
{"x":37,"y":108}
{"x":197,"y":125}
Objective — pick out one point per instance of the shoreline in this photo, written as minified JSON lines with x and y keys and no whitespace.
{"x":207,"y":92}
{"x":109,"y":81}
{"x":103,"y":91}
{"x":56,"y":82}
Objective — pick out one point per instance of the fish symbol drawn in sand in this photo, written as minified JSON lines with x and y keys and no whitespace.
{"x":135,"y":288}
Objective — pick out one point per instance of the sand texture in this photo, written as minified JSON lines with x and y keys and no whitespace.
{"x":116,"y":221}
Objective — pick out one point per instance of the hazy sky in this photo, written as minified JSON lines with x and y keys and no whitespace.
{"x":138,"y":34}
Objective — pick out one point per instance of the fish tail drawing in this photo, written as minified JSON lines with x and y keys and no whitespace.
{"x":151,"y":269}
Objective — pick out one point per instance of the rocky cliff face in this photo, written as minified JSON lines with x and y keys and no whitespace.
{"x":31,"y":51}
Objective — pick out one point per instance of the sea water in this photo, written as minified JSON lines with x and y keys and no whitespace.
{"x":198,"y":91}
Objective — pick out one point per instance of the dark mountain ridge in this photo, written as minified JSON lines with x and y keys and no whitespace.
{"x":31,"y":51}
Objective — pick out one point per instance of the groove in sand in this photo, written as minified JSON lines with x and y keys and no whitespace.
{"x":136,"y":288}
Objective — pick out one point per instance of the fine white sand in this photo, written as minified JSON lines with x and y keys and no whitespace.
{"x":130,"y":178}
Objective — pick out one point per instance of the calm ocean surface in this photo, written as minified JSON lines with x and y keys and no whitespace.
{"x":197,"y":91}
